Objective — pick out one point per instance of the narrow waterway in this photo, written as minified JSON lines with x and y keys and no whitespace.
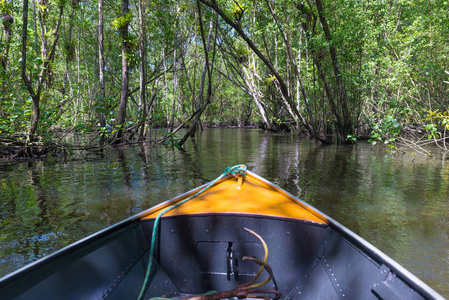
{"x":398,"y":202}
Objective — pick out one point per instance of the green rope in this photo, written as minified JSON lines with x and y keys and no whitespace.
{"x":236,"y":170}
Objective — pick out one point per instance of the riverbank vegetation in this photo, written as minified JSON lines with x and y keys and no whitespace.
{"x":337,"y":71}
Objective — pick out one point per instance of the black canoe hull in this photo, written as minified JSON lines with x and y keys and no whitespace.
{"x":309,"y":260}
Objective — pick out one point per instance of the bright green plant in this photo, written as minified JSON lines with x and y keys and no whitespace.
{"x":122,"y":22}
{"x":432,"y":131}
{"x":438,"y":121}
{"x":385,"y":131}
{"x":352,"y":138}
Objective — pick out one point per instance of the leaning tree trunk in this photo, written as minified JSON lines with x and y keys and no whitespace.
{"x":282,"y":85}
{"x":209,"y":66}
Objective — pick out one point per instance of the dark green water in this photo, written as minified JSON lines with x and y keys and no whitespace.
{"x":399,"y":203}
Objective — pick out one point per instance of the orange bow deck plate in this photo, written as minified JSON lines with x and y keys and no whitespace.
{"x":252,"y":196}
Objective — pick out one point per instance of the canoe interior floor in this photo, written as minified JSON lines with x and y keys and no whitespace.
{"x":309,"y":260}
{"x":197,"y":254}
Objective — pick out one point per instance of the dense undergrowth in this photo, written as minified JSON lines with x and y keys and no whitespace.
{"x":337,"y":71}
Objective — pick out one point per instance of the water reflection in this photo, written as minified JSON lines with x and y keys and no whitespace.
{"x":399,"y":202}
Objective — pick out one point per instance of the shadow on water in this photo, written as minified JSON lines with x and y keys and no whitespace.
{"x":399,"y":203}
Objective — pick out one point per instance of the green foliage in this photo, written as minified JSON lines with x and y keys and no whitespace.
{"x":269,"y":80}
{"x":386,"y":131}
{"x":441,"y":119}
{"x":352,"y":138}
{"x":242,"y":52}
{"x":69,"y":49}
{"x":438,"y":120}
{"x":172,"y":141}
{"x":392,"y":58}
{"x":5,"y":7}
{"x":83,"y":128}
{"x":432,"y":131}
{"x":61,"y":3}
{"x":238,"y":10}
{"x":121,"y":23}
{"x":14,"y":117}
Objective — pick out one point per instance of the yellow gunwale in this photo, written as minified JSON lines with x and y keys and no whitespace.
{"x":255,"y":196}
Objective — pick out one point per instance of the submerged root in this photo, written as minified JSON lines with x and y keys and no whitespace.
{"x":19,"y":148}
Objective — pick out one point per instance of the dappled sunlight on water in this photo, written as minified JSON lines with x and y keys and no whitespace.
{"x":398,"y":202}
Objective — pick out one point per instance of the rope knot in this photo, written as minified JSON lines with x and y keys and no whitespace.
{"x":237,"y":170}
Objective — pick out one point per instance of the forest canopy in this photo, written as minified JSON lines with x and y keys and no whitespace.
{"x":337,"y":71}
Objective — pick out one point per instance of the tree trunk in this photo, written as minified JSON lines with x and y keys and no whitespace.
{"x":35,"y":28}
{"x":125,"y":75}
{"x":43,"y":16}
{"x":175,"y":76}
{"x":295,"y":65}
{"x":347,"y":124}
{"x":248,"y":75}
{"x":199,"y":102}
{"x":35,"y":98}
{"x":249,"y":78}
{"x":208,"y":66}
{"x":8,"y":20}
{"x":44,"y":73}
{"x":101,"y":96}
{"x":142,"y":69}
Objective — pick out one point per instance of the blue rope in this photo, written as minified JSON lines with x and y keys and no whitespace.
{"x":237,"y":170}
